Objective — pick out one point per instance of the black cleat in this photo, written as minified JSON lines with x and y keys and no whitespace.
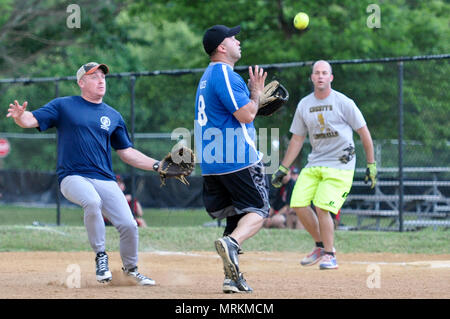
{"x":231,"y":286}
{"x":228,"y":251}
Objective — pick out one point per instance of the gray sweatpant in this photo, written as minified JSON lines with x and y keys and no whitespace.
{"x":96,"y":197}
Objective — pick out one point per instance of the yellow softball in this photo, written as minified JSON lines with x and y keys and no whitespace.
{"x":301,"y":20}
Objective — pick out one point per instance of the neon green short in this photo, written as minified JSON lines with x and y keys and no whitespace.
{"x":325,"y":187}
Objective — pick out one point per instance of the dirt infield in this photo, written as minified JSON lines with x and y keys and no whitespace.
{"x":272,"y":275}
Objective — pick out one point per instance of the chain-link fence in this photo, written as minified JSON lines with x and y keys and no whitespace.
{"x":404,"y":101}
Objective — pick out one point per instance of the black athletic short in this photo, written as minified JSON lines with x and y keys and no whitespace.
{"x":236,"y":193}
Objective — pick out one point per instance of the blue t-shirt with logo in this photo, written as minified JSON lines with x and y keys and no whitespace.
{"x":86,"y":133}
{"x":223,"y":144}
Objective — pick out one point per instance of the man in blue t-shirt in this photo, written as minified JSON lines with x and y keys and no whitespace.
{"x":87,"y":129}
{"x":234,"y":186}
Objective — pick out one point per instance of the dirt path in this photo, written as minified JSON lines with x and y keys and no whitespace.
{"x":199,"y":275}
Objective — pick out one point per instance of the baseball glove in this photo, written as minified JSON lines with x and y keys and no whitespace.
{"x":179,"y":163}
{"x":273,"y":97}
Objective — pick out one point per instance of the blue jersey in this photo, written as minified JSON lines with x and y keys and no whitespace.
{"x":223,"y":144}
{"x":86,"y":132}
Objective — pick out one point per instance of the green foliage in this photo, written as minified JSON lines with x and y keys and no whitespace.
{"x":338,"y":30}
{"x":38,"y":29}
{"x":143,"y":35}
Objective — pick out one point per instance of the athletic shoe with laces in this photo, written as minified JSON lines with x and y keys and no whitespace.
{"x":101,"y":268}
{"x":328,"y":262}
{"x":313,"y":257}
{"x":231,"y":286}
{"x":228,"y":250}
{"x":140,"y":279}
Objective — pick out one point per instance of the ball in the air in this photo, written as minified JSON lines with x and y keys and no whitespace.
{"x":301,"y":20}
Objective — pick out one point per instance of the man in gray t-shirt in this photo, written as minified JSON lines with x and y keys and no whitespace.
{"x":329,"y":124}
{"x":329,"y":119}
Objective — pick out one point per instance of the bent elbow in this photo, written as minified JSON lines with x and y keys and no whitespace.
{"x":244,"y":116}
{"x":249,"y":118}
{"x":247,"y":113}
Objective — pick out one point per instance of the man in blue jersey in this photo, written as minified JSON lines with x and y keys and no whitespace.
{"x":234,"y":186}
{"x":87,"y":129}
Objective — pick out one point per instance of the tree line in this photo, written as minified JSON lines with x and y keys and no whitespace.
{"x":38,"y":40}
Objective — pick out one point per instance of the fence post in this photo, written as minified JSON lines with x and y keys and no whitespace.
{"x":400,"y":145}
{"x":132,"y":115}
{"x":58,"y":199}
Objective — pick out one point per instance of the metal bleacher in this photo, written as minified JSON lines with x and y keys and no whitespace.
{"x":426,"y":201}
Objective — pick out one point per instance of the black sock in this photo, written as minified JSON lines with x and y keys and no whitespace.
{"x":319,"y":244}
{"x":329,"y":253}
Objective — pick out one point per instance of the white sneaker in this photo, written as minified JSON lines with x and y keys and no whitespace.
{"x":328,"y":262}
{"x":140,"y":279}
{"x":102,"y":272}
{"x":313,"y":257}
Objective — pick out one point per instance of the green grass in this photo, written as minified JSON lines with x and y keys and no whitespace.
{"x":198,"y":238}
{"x":182,"y":230}
{"x":18,"y":215}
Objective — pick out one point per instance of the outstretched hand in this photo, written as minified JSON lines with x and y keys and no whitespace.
{"x":256,"y":80}
{"x":16,"y":110}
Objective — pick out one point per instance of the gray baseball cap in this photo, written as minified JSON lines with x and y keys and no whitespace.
{"x":90,"y":68}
